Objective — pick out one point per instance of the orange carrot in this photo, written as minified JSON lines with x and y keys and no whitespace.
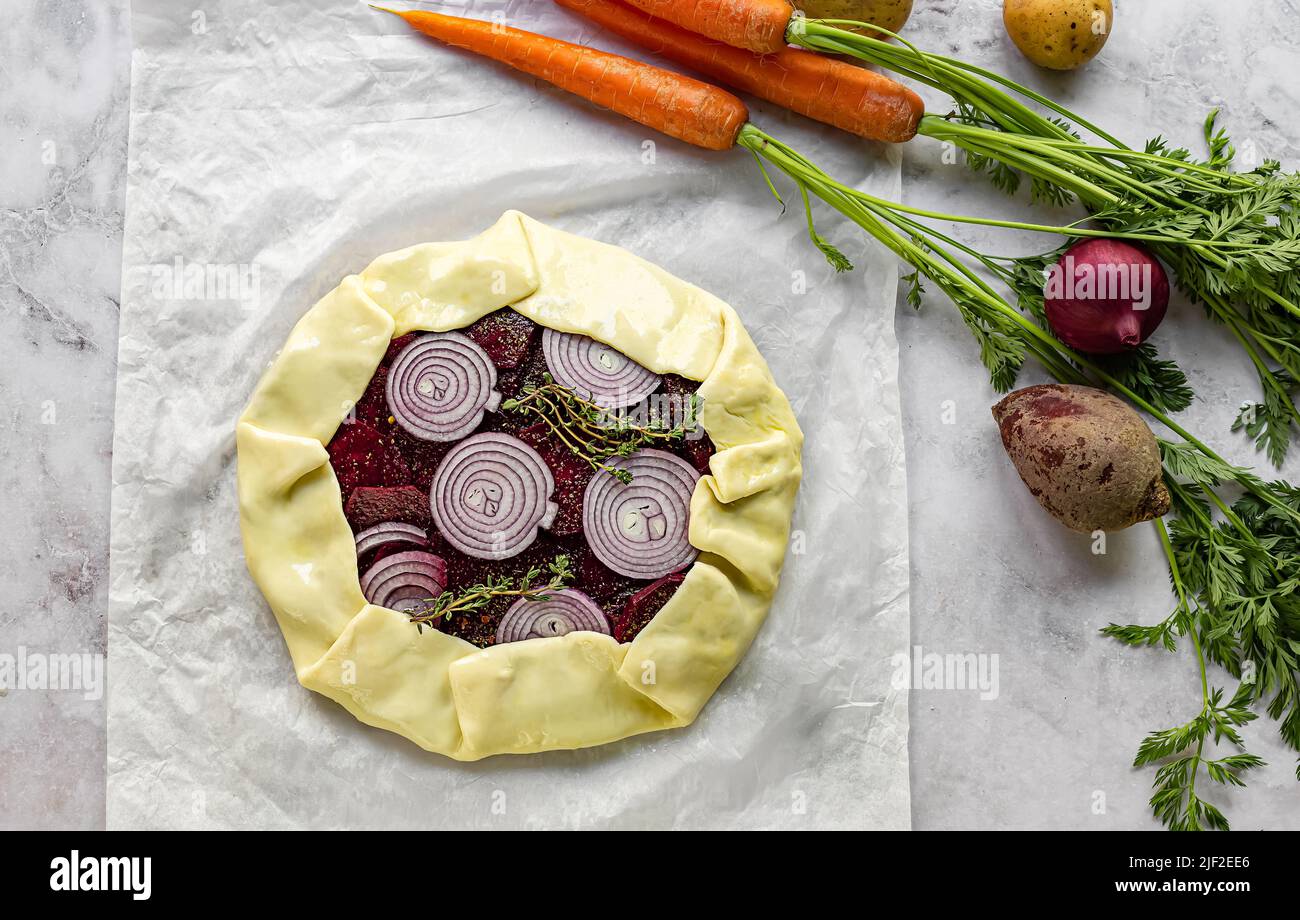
{"x":679,"y":106}
{"x":758,"y":25}
{"x":831,"y":91}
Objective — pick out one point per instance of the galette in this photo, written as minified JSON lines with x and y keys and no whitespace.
{"x":521,"y":493}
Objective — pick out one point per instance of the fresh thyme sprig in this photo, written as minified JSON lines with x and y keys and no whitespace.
{"x":558,"y":573}
{"x":595,"y":433}
{"x":1235,"y":566}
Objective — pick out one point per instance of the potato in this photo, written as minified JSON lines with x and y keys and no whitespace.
{"x":888,"y":14}
{"x":1058,"y":34}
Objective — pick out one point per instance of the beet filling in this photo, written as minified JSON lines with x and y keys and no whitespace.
{"x":385,"y":474}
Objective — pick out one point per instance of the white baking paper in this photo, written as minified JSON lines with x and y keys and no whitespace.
{"x":278,"y":145}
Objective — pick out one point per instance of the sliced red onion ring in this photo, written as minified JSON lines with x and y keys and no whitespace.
{"x":440,"y":386}
{"x":490,"y":494}
{"x":404,"y":581}
{"x":390,"y":532}
{"x":596,"y":371}
{"x":640,"y":529}
{"x":562,"y":612}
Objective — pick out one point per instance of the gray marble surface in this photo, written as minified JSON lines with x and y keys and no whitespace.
{"x":991,"y":574}
{"x":64,"y":78}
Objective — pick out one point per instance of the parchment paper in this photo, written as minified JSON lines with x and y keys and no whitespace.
{"x":281,"y":144}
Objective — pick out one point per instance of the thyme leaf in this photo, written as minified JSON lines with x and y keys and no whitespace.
{"x":597,"y":434}
{"x":537,"y":584}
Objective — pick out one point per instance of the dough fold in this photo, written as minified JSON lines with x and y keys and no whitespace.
{"x":569,"y":692}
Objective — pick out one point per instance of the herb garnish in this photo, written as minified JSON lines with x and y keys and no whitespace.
{"x":595,"y":433}
{"x":558,"y":572}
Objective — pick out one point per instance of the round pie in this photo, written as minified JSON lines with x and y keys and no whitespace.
{"x":558,"y":670}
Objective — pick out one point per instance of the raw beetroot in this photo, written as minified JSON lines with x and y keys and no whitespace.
{"x":371,"y":505}
{"x":595,"y":578}
{"x":423,"y":457}
{"x":698,"y":451}
{"x":571,"y":473}
{"x":396,"y":347}
{"x":505,"y":335}
{"x":641,"y":607}
{"x":1085,"y":455}
{"x":372,"y":407}
{"x":385,"y":475}
{"x":679,"y":392}
{"x":363,"y":457}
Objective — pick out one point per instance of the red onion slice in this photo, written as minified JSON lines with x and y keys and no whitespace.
{"x":596,"y":371}
{"x":440,"y":385}
{"x":404,"y":581}
{"x":390,"y":532}
{"x":640,"y":529}
{"x":490,"y":495}
{"x":561,"y":612}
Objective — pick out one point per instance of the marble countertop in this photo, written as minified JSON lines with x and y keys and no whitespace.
{"x":990,"y":573}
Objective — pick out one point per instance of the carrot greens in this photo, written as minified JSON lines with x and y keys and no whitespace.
{"x":1232,"y":238}
{"x":1235,"y":564}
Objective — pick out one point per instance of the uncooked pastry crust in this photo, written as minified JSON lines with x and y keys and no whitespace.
{"x":573,"y":691}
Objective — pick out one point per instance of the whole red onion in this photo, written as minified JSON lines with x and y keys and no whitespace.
{"x":1106,"y":296}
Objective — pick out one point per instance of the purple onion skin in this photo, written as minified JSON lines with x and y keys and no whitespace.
{"x":1089,"y":322}
{"x":391,"y":577}
{"x":659,"y":493}
{"x":570,"y":359}
{"x":461,"y":367}
{"x":478,"y":482}
{"x":567,"y":610}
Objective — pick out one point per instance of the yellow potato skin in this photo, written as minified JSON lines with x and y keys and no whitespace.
{"x":888,"y":14}
{"x":1059,"y":34}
